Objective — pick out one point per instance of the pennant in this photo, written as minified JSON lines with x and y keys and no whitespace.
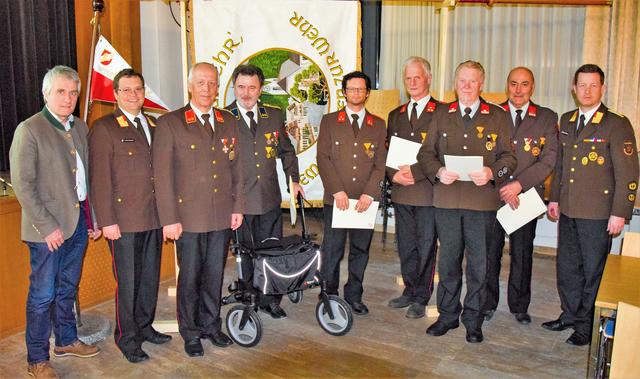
{"x":107,"y":62}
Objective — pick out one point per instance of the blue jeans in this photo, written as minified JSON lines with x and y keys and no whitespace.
{"x":52,"y":291}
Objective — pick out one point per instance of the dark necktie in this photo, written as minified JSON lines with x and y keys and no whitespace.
{"x":140,"y":129}
{"x":253,"y":125}
{"x":414,"y":115}
{"x":518,"y":118}
{"x":580,"y":125}
{"x":354,"y":124}
{"x":467,"y":117}
{"x":207,"y":124}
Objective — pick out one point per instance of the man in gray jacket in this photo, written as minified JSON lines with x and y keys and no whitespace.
{"x":49,"y":161}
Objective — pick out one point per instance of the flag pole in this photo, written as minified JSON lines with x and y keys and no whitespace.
{"x":98,"y":6}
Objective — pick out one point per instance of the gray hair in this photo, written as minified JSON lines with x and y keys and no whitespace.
{"x":200,"y":64}
{"x":56,"y":72}
{"x":472,"y":65}
{"x":425,"y":64}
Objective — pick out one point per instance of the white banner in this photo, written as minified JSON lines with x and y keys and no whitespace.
{"x":304,"y":49}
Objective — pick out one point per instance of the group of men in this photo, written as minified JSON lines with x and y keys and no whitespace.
{"x":200,"y":172}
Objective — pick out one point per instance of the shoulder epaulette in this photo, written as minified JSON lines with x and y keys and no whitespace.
{"x":616,"y":113}
{"x":271,"y":106}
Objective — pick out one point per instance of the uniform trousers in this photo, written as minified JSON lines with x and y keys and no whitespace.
{"x":463,"y":234}
{"x":521,"y":251}
{"x":256,"y":228}
{"x":583,"y":246}
{"x":333,"y":244}
{"x":416,"y":235}
{"x":136,"y":269}
{"x":201,"y":258}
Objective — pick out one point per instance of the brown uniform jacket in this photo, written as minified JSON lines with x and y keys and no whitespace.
{"x":596,"y":174}
{"x":122,"y":174}
{"x":43,"y":174}
{"x":488,"y":136}
{"x":535,"y":144}
{"x":261,"y":188}
{"x":421,"y":193}
{"x":345,"y":163}
{"x":198,"y":178}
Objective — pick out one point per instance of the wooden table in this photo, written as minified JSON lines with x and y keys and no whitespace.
{"x":619,"y":283}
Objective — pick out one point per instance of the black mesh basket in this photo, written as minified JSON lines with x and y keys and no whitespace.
{"x":285,"y":265}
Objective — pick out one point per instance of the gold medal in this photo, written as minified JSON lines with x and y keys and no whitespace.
{"x":370,"y":154}
{"x":489,"y":146}
{"x":480,"y":129}
{"x":527,"y":148}
{"x":527,"y":144}
{"x":232,"y":154}
{"x":585,"y":161}
{"x":600,"y":160}
{"x":535,"y":151}
{"x":593,"y":156}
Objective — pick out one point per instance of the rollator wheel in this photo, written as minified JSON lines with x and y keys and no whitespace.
{"x":342,"y":316}
{"x":251,"y":333}
{"x":295,"y":296}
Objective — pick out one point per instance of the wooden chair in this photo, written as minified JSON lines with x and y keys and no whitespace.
{"x":624,"y":358}
{"x":631,"y":244}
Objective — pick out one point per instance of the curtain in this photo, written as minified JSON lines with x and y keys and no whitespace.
{"x":547,"y":39}
{"x":624,"y":62}
{"x":35,"y":35}
{"x":407,"y":28}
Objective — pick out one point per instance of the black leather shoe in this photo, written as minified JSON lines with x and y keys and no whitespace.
{"x":488,"y":315}
{"x":557,"y":325}
{"x":400,"y":302}
{"x":359,"y":308}
{"x":474,"y":335}
{"x":439,"y":328}
{"x":193,"y":348}
{"x":218,"y":339}
{"x":275,"y":310}
{"x":577,"y":339}
{"x":415,"y":311}
{"x":158,"y":338}
{"x":136,"y":356}
{"x":523,"y":318}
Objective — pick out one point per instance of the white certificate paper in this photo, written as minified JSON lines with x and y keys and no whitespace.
{"x":531,"y":206}
{"x":402,"y":152}
{"x":463,"y":165}
{"x":351,"y":219}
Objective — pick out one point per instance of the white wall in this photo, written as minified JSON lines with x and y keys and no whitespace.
{"x":161,"y":50}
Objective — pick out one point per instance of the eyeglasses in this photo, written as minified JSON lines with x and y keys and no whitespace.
{"x":356,"y":90}
{"x":131,"y":91}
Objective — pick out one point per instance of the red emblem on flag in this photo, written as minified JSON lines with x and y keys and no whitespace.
{"x":106,"y":57}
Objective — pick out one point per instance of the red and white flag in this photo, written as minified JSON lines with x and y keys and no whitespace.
{"x":106,"y":64}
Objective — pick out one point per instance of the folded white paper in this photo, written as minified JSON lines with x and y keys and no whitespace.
{"x":463,"y":165}
{"x":351,"y":219}
{"x":402,"y":152}
{"x":531,"y":206}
